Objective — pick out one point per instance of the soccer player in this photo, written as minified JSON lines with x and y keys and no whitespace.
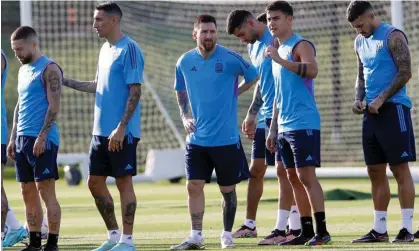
{"x":35,"y":138}
{"x":295,"y":127}
{"x":206,"y":78}
{"x":244,"y":26}
{"x":384,"y":69}
{"x":116,"y":129}
{"x":16,"y":232}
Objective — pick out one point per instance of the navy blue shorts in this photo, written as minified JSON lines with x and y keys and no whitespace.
{"x":229,"y":162}
{"x":30,"y":168}
{"x":103,"y":162}
{"x":300,"y":148}
{"x":259,"y":150}
{"x":388,"y":137}
{"x":3,"y":154}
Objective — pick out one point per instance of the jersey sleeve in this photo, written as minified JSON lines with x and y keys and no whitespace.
{"x":179,"y":78}
{"x":244,"y":68}
{"x":133,"y":65}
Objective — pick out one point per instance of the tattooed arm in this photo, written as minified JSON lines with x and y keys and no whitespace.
{"x":132,"y":103}
{"x":83,"y":86}
{"x":397,"y":44}
{"x":116,"y":139}
{"x":358,"y":107}
{"x":257,"y":102}
{"x":53,"y":79}
{"x":360,"y":82}
{"x":183,"y":102}
{"x":304,"y":54}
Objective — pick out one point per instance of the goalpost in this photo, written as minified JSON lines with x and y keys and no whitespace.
{"x":163,"y":31}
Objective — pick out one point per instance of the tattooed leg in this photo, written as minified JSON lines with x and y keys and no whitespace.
{"x":128,"y":203}
{"x":46,"y":189}
{"x":196,"y":203}
{"x":32,"y":206}
{"x":103,"y":200}
{"x":229,"y":209}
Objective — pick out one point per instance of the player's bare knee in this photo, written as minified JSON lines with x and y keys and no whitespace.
{"x":280,"y":171}
{"x":195,"y":188}
{"x":306,"y":176}
{"x":293,"y":177}
{"x":95,"y":184}
{"x":257,"y":172}
{"x":401,"y":172}
{"x":29,"y":191}
{"x":124,"y":184}
{"x":227,"y":189}
{"x":377,"y":172}
{"x":46,"y":189}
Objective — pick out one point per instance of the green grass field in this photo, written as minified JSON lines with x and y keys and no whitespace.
{"x":162,"y":217}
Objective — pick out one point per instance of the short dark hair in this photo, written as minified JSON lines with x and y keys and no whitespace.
{"x":110,"y":8}
{"x":23,"y":32}
{"x":204,"y":18}
{"x":236,"y":19}
{"x":262,"y":18}
{"x":356,"y":9}
{"x":282,"y":6}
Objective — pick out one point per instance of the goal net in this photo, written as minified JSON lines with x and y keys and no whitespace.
{"x":163,"y":30}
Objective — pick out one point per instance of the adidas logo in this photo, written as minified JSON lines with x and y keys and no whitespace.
{"x":309,"y":158}
{"x":128,"y":167}
{"x":46,"y":171}
{"x":383,"y":219}
{"x":307,"y":223}
{"x":129,"y":238}
{"x":294,"y":212}
{"x":404,"y":155}
{"x":193,"y":68}
{"x":113,"y":232}
{"x":200,"y":234}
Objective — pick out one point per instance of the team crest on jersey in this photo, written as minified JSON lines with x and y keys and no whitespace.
{"x":380,"y":45}
{"x":219,"y":67}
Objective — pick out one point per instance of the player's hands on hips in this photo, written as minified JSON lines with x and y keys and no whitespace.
{"x":11,"y":149}
{"x":271,"y":141}
{"x":358,"y":107}
{"x":39,"y":146}
{"x":188,"y":123}
{"x":272,"y":52}
{"x":375,"y":105}
{"x":116,"y":139}
{"x":249,"y":126}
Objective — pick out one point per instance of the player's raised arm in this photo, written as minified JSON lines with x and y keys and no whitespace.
{"x":83,"y":86}
{"x":304,"y":53}
{"x":357,"y":107}
{"x":53,"y":79}
{"x":397,"y":44}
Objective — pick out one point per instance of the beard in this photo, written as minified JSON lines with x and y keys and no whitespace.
{"x":255,"y":38}
{"x":208,"y":45}
{"x":26,"y":60}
